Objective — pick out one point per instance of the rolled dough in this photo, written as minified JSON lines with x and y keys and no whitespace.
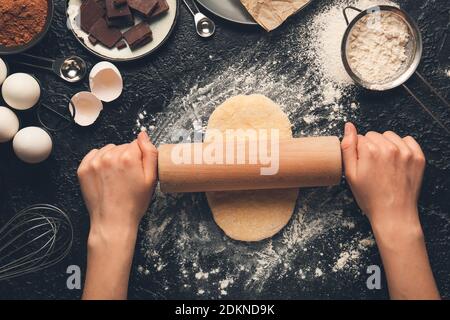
{"x":256,"y":214}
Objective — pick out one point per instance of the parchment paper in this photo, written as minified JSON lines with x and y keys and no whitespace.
{"x":270,"y":14}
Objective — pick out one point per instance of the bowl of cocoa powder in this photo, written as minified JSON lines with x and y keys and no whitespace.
{"x":23,"y":24}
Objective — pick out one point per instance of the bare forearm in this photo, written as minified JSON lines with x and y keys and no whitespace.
{"x":405,"y":261}
{"x":108,"y":267}
{"x":117,"y":183}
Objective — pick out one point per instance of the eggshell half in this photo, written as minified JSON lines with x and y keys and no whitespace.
{"x":9,"y":124}
{"x":105,"y":81}
{"x":87,"y":108}
{"x":3,"y":71}
{"x":21,"y":91}
{"x":32,"y":145}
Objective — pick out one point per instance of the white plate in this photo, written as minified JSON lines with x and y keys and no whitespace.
{"x":231,"y":10}
{"x":161,"y":27}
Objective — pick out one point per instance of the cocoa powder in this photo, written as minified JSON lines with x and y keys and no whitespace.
{"x":21,"y":21}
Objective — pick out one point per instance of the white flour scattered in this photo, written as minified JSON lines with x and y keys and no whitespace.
{"x":348,"y":224}
{"x":342,"y":261}
{"x":353,"y":253}
{"x":318,"y":273}
{"x":377,"y":47}
{"x":331,"y":94}
{"x":301,"y":274}
{"x":201,"y":275}
{"x":181,"y":235}
{"x":224,"y":283}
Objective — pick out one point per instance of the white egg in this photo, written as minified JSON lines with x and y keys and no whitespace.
{"x":87,"y":108}
{"x":32,"y":145}
{"x":105,"y":81}
{"x":9,"y":124}
{"x":3,"y":71}
{"x":21,"y":91}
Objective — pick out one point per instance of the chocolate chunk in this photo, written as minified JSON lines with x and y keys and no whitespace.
{"x":118,"y":17}
{"x":92,"y":40}
{"x":113,"y":12}
{"x":139,"y":35}
{"x":119,"y":3}
{"x":102,"y":4}
{"x":121,"y":45}
{"x":105,"y":35}
{"x":143,"y":7}
{"x":120,"y":22}
{"x":90,"y":13}
{"x":161,"y":8}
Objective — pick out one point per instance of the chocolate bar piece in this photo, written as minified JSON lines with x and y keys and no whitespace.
{"x":138,"y":36}
{"x":90,"y":13}
{"x":102,"y":4}
{"x":113,"y":12}
{"x":104,"y":34}
{"x":161,"y":8}
{"x":120,"y":22}
{"x":121,"y":45}
{"x":92,"y":40}
{"x":119,"y":3}
{"x":118,"y":16}
{"x":143,"y":7}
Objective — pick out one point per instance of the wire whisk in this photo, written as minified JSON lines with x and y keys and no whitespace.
{"x":34,"y":239}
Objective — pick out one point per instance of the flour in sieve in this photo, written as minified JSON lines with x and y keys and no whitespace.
{"x":377,"y":47}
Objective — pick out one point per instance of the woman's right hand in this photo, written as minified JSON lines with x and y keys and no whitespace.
{"x":385,"y":174}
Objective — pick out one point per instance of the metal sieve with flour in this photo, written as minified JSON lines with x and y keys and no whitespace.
{"x":412,"y":54}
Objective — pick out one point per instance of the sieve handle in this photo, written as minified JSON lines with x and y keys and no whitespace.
{"x":433,"y":89}
{"x":345,"y":13}
{"x":424,"y":107}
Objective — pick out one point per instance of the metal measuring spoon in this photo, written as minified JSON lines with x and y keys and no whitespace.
{"x":205,"y":27}
{"x":71,"y":69}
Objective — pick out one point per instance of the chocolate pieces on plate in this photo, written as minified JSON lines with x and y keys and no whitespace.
{"x":90,"y":13}
{"x":143,"y":7}
{"x":103,"y":20}
{"x":118,"y":16}
{"x":92,"y":40}
{"x":121,"y":44}
{"x":104,"y":34}
{"x":161,"y":8}
{"x":138,"y":35}
{"x":119,"y":3}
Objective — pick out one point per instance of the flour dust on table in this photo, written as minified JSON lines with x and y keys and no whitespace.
{"x":185,"y":252}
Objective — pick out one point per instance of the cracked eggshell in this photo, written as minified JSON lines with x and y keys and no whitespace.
{"x":21,"y":91}
{"x":105,"y":81}
{"x":9,"y":124}
{"x":3,"y":71}
{"x":32,"y":145}
{"x":87,"y":108}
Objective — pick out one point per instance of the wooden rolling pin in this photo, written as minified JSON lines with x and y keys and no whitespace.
{"x":303,"y":162}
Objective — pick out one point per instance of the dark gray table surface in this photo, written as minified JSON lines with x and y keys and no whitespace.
{"x":179,"y":243}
